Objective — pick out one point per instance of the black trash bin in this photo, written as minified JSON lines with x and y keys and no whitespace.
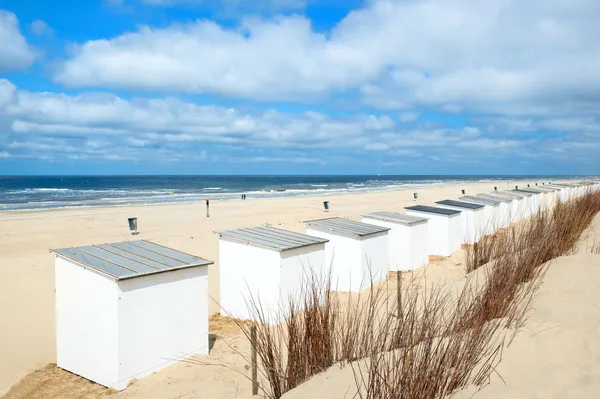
{"x":326,"y":205}
{"x":132,"y":225}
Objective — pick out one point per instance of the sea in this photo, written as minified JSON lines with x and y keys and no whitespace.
{"x":47,"y":192}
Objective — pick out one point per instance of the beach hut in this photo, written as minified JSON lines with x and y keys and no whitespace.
{"x":408,"y":244}
{"x":550,"y":195}
{"x":511,"y":205}
{"x":565,"y":191}
{"x":443,"y":227}
{"x":528,"y":203}
{"x":472,"y":219}
{"x":266,"y":267}
{"x":128,"y":309}
{"x":534,"y":198}
{"x":522,"y":204}
{"x":493,"y":212}
{"x":357,"y":252}
{"x":539,"y":196}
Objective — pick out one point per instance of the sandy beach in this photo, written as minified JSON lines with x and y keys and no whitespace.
{"x":27,"y":288}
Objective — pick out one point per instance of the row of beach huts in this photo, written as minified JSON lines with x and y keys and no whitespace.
{"x":125,"y":310}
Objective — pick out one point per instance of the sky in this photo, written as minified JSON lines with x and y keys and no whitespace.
{"x":300,"y":87}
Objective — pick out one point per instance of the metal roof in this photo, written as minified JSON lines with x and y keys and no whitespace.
{"x":530,"y":190}
{"x":395,"y":217}
{"x":511,"y":194}
{"x":460,"y":204}
{"x":546,"y":189}
{"x":480,"y":200}
{"x":518,"y":193}
{"x":271,"y":237}
{"x":130,"y":259}
{"x":432,"y":209}
{"x":496,"y":196}
{"x":345,"y":226}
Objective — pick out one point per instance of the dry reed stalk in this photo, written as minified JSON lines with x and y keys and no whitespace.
{"x":433,"y":344}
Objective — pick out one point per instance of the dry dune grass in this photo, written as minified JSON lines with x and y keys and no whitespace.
{"x":51,"y":382}
{"x":421,"y":341}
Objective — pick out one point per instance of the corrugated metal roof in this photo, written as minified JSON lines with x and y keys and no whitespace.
{"x":345,"y":226}
{"x":517,"y":193}
{"x":130,"y":259}
{"x":271,"y":237}
{"x":432,"y":209}
{"x":460,"y":204}
{"x":480,"y":200}
{"x":530,"y":190}
{"x":395,"y":217}
{"x":497,"y":195}
{"x":546,"y":189}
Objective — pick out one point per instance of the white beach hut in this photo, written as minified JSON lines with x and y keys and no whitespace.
{"x":513,"y":204}
{"x":523,"y":204}
{"x":493,"y":212}
{"x":550,"y":195}
{"x":408,"y":238}
{"x":357,"y":252}
{"x":506,"y":206}
{"x":533,"y":198}
{"x":472,"y":219}
{"x":565,"y":191}
{"x":529,"y":201}
{"x":266,"y":266}
{"x":538,"y":195}
{"x":443,"y":227}
{"x":128,"y":309}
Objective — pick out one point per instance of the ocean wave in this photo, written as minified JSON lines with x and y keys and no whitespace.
{"x":213,"y":188}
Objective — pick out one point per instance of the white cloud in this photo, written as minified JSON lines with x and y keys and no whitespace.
{"x":377,"y":147}
{"x":408,"y":116}
{"x":48,"y":125}
{"x":15,"y":53}
{"x":453,"y":54}
{"x":41,"y":28}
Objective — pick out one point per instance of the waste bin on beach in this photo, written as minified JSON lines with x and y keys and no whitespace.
{"x":133,"y":225}
{"x":326,"y":205}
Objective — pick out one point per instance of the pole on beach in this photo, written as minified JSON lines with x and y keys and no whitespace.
{"x":207,"y":208}
{"x":253,"y":359}
{"x":399,"y":295}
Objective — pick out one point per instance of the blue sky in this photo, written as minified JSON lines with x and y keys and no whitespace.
{"x":299,"y":87}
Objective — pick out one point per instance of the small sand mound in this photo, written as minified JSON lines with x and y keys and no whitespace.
{"x":437,"y":258}
{"x":51,"y":382}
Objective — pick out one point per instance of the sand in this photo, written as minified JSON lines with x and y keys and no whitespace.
{"x":27,"y":273}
